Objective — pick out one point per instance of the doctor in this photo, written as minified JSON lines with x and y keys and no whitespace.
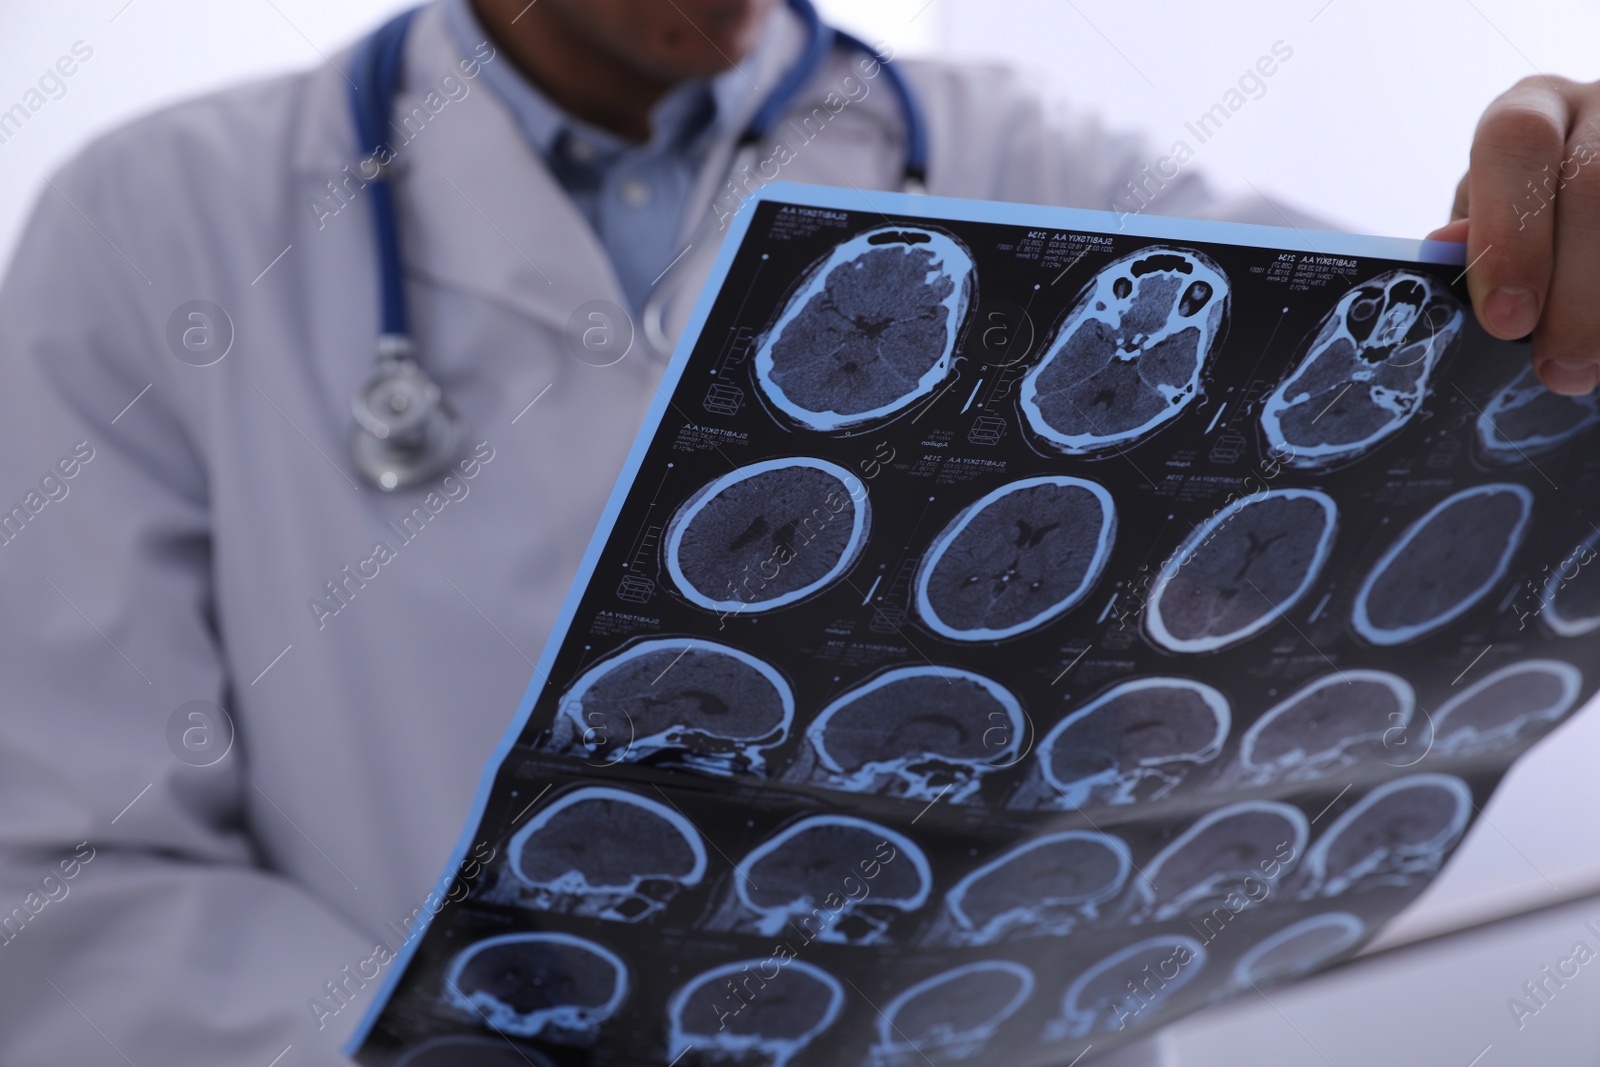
{"x":249,"y":687}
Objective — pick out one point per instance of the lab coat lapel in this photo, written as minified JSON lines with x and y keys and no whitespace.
{"x":480,"y":209}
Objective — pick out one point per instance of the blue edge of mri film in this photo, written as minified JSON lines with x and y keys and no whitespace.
{"x":914,"y":208}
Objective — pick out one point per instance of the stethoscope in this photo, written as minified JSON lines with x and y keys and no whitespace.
{"x":405,"y":431}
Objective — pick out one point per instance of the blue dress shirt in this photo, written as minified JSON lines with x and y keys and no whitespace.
{"x":634,"y":195}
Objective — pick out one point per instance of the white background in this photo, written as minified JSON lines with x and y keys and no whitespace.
{"x":1367,"y":125}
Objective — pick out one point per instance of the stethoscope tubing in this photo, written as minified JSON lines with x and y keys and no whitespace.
{"x":372,"y":102}
{"x":372,"y":94}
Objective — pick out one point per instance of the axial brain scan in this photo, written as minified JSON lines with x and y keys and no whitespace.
{"x":1129,"y":356}
{"x":1241,"y":570}
{"x":767,"y":535}
{"x":1443,"y":563}
{"x":1018,"y":557}
{"x":871,"y":331}
{"x":1366,"y":371}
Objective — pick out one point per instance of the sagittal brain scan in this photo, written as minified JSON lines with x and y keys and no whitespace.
{"x":1012,"y":630}
{"x":705,"y":704}
{"x":1044,"y":887}
{"x":1512,"y":705}
{"x":1241,"y":569}
{"x":927,"y":732}
{"x":552,"y":986}
{"x":1443,"y":563}
{"x":870,"y":331}
{"x":1339,"y":722}
{"x":607,"y":853}
{"x":952,"y":1015}
{"x":811,"y":875}
{"x":1298,"y":948}
{"x":767,"y":535}
{"x":1129,"y":356}
{"x":1210,"y":861}
{"x":1366,"y":370}
{"x":1396,"y":835}
{"x":1136,"y":742}
{"x":1127,"y":983}
{"x":752,"y":1013}
{"x":1017,"y":558}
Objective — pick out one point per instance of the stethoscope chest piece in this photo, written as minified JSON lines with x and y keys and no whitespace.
{"x":405,"y":432}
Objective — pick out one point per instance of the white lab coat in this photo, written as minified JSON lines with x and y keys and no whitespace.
{"x":180,"y":563}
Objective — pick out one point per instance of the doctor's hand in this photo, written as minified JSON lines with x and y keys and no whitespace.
{"x":1529,"y":211}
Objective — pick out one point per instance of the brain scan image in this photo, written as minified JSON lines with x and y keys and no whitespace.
{"x":1136,"y":742}
{"x":1017,"y":558}
{"x":1209,"y":861}
{"x":555,"y":987}
{"x":1512,"y":706}
{"x":924,"y":733}
{"x":1525,"y":420}
{"x":607,"y":854}
{"x":832,"y":878}
{"x":951,"y":1016}
{"x":1365,"y":372}
{"x":1128,"y":357}
{"x":751,"y":1013}
{"x":870,"y":331}
{"x":1443,"y":564}
{"x":1569,"y":604}
{"x":1044,"y":887}
{"x":471,"y":1051}
{"x":1130,"y":987}
{"x":1298,"y":949}
{"x":1395,"y":836}
{"x":999,"y":636}
{"x":1240,"y":570}
{"x":682,"y":700}
{"x":1331,"y":726}
{"x":767,"y":535}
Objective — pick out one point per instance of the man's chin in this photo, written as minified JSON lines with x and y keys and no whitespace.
{"x":694,"y":55}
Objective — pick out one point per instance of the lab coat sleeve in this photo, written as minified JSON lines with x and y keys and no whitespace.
{"x":136,"y":924}
{"x":1089,"y":164}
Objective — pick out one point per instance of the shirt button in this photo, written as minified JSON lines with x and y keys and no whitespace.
{"x":579,"y":149}
{"x":635,"y":192}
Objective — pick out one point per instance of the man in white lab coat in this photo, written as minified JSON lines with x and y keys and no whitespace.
{"x":181,"y":530}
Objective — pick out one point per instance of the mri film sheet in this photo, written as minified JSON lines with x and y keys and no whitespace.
{"x":1014,"y":628}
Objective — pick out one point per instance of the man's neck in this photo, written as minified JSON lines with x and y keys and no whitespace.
{"x":582,"y":79}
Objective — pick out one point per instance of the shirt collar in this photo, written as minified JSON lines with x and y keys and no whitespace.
{"x":686,"y":119}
